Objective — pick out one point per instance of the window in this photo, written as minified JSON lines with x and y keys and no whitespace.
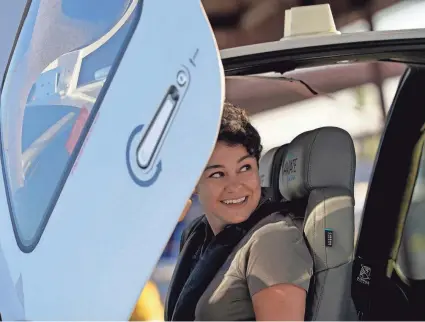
{"x":44,"y":114}
{"x":348,"y":98}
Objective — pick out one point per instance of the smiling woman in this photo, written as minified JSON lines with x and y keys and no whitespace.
{"x":229,"y":189}
{"x":234,"y":260}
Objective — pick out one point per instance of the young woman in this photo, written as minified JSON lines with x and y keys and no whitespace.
{"x":240,"y":261}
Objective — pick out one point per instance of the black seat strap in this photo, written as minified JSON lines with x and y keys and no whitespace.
{"x":275,"y":171}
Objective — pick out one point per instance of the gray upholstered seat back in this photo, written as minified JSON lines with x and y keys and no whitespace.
{"x":266,"y":165}
{"x":270,"y":166}
{"x":319,"y":168}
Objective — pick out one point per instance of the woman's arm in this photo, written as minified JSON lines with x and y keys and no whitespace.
{"x":283,"y":302}
{"x":278,"y":271}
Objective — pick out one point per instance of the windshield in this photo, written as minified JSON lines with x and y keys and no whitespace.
{"x":62,"y":59}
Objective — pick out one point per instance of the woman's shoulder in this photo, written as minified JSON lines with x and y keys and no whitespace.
{"x":278,"y":227}
{"x":276,"y":253}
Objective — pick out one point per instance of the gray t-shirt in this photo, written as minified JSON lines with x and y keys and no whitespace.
{"x":273,"y":252}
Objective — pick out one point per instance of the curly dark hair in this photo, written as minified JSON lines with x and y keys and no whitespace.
{"x":236,"y":129}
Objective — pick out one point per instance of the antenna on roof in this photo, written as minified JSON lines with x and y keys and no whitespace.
{"x":315,"y":20}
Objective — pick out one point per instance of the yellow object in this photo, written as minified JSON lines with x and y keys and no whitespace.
{"x":149,"y":306}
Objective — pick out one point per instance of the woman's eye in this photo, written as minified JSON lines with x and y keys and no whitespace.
{"x":246,"y":168}
{"x":217,"y":175}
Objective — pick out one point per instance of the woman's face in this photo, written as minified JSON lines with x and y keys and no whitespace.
{"x":229,"y":189}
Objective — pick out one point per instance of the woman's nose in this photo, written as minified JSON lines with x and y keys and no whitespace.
{"x":233,"y":184}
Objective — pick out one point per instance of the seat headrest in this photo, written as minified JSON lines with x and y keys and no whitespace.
{"x":265,"y":167}
{"x":321,"y":158}
{"x":270,"y":165}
